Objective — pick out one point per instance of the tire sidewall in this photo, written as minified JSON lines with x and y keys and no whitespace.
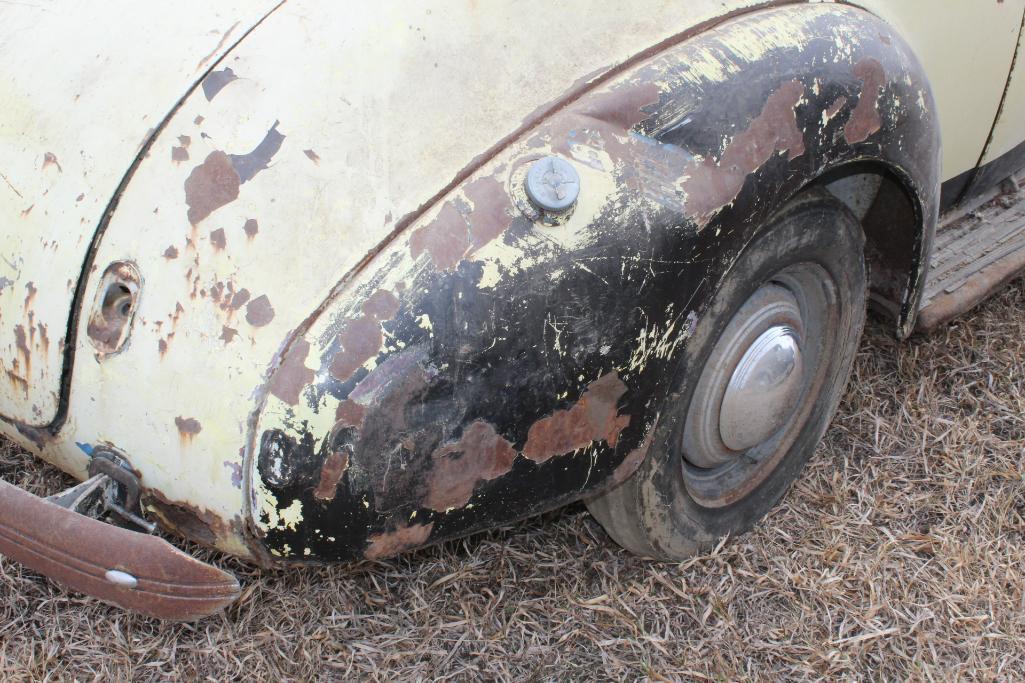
{"x":817,"y":229}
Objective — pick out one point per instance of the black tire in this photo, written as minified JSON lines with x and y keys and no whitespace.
{"x":656,"y":513}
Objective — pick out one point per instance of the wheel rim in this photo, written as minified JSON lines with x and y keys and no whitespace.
{"x":759,"y":384}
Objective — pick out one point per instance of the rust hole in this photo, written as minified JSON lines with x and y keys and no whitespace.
{"x":114,"y":307}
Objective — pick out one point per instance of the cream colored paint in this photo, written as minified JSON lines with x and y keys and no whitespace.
{"x":966,"y":48}
{"x":81,"y":87}
{"x":1010,"y":129}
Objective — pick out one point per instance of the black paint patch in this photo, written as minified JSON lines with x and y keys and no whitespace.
{"x":248,"y":165}
{"x":216,"y":81}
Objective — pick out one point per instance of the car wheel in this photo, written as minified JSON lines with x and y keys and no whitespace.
{"x":762,"y":375}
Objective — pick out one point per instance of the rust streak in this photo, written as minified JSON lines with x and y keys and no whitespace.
{"x":865,"y":118}
{"x":188,"y":427}
{"x":394,"y":542}
{"x":217,"y":48}
{"x":335,"y":466}
{"x":712,"y":185}
{"x":30,"y":295}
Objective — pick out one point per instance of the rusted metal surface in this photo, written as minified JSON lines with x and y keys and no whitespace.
{"x":977,"y":252}
{"x":80,"y":552}
{"x":362,"y":344}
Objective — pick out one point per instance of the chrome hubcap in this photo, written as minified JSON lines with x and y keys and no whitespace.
{"x":758,"y":384}
{"x":763,"y":391}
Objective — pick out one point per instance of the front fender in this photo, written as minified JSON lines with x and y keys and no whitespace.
{"x":481,"y":366}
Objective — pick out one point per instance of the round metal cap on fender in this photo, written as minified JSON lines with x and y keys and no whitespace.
{"x":553,"y":184}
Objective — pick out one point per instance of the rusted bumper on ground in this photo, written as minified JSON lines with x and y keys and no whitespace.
{"x":79,"y":551}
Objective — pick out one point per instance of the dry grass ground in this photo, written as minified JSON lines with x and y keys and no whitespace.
{"x":899,"y":554}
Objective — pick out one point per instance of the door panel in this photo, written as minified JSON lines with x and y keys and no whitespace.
{"x":82,"y":87}
{"x":966,"y":47}
{"x":1006,"y":151}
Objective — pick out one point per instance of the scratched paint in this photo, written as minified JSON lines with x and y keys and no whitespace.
{"x":514,"y":364}
{"x":374,"y":350}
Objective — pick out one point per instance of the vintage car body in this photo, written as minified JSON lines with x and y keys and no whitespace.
{"x":276,"y":258}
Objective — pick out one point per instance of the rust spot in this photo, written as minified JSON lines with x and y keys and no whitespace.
{"x":311,"y":155}
{"x":188,"y":427}
{"x":171,"y":252}
{"x":228,"y":333}
{"x":27,"y":211}
{"x":210,"y":186}
{"x":162,"y":346}
{"x":44,"y":339}
{"x":712,"y":185}
{"x":361,"y":338}
{"x":190,"y":521}
{"x":50,"y":159}
{"x":481,"y":454}
{"x":259,"y":311}
{"x":865,"y":118}
{"x":459,"y":229}
{"x":350,"y":414}
{"x":30,"y":295}
{"x":444,"y":238}
{"x":594,"y":417}
{"x":216,"y":81}
{"x":236,"y":473}
{"x":80,"y":197}
{"x":381,"y":305}
{"x":331,"y":473}
{"x":217,"y":239}
{"x":292,"y":375}
{"x":198,"y":120}
{"x":251,"y":227}
{"x":394,"y":542}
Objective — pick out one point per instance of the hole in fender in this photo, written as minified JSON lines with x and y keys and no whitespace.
{"x":114,"y":307}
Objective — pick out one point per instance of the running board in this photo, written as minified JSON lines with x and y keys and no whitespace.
{"x":978,"y":249}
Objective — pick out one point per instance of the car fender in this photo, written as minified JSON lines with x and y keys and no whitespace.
{"x":480,"y":365}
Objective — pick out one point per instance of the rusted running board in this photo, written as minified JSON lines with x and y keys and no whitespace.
{"x":81,"y":552}
{"x":976,"y":253}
